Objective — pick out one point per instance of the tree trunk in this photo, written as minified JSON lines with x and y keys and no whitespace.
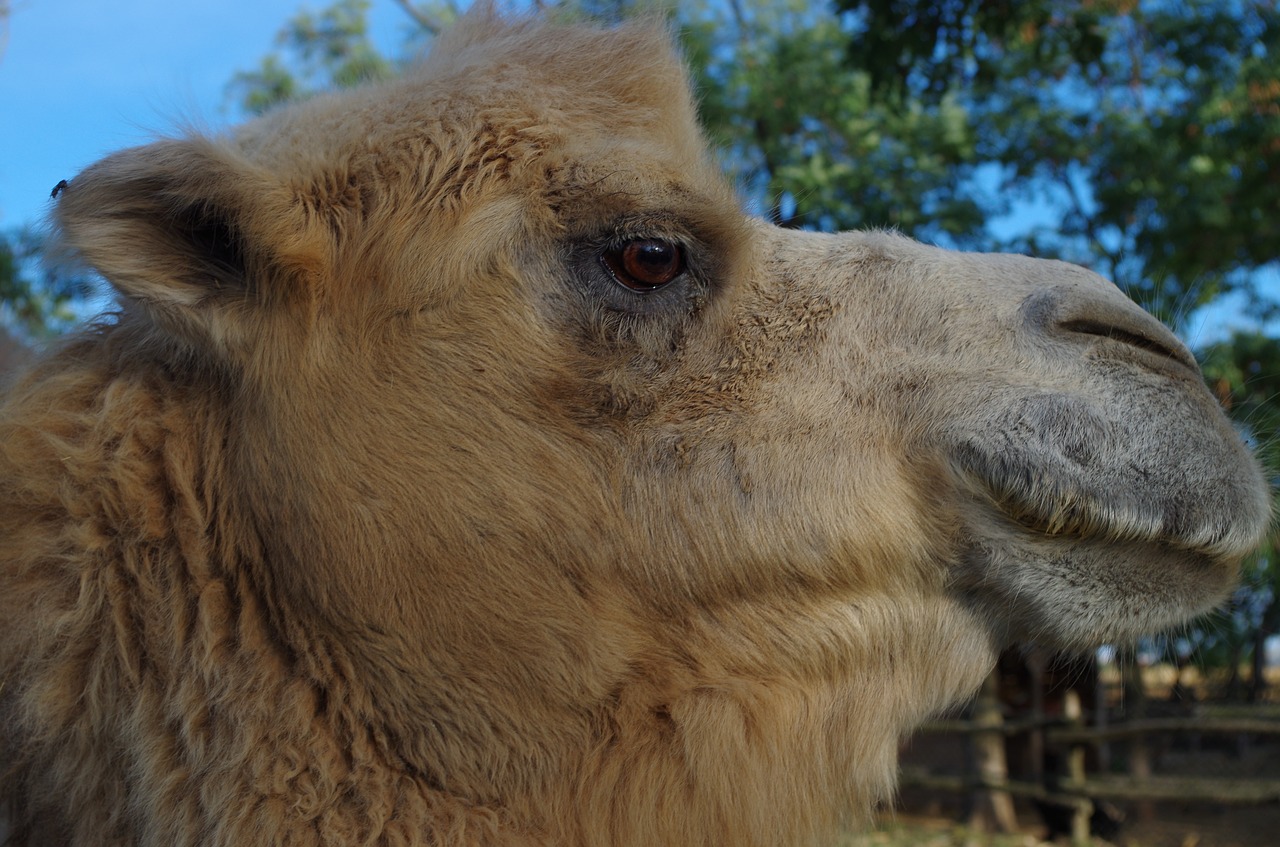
{"x":1266,"y":628}
{"x":1135,"y":694}
{"x":1232,"y":690}
{"x":991,"y":810}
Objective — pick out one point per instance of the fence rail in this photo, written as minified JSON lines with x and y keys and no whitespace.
{"x":1074,"y":789}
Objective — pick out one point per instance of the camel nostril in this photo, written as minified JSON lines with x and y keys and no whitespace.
{"x":1134,"y":337}
{"x":1100,"y":311}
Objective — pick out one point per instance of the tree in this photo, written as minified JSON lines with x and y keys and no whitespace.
{"x":37,"y":298}
{"x":1152,"y":129}
{"x":808,"y":135}
{"x":1244,"y":372}
{"x":4,"y":25}
{"x":329,"y":49}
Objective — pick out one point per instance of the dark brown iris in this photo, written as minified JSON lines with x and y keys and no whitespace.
{"x":645,"y":264}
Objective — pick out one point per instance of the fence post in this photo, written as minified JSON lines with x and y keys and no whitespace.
{"x":992,"y":807}
{"x":1101,"y":715}
{"x":1037,"y":664}
{"x":1135,"y":694}
{"x":1076,"y":772}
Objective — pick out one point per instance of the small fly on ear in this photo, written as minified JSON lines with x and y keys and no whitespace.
{"x":58,"y":189}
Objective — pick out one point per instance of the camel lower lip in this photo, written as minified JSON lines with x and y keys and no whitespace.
{"x":1067,"y":519}
{"x":1085,"y":522}
{"x":1075,"y":592}
{"x":1083,"y":519}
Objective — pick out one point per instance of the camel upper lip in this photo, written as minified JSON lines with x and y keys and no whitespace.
{"x":1037,"y":500}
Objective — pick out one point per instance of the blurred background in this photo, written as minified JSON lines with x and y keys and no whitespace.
{"x":1141,"y":139}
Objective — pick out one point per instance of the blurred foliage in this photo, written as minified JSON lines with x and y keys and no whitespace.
{"x":808,"y":136}
{"x":1244,"y":372}
{"x":37,"y":298}
{"x":327,"y":49}
{"x":4,"y":25}
{"x":1151,"y":128}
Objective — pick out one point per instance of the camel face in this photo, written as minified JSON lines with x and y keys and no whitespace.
{"x":462,"y":444}
{"x":1065,"y":418}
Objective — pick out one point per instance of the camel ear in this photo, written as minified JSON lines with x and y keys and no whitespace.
{"x":192,"y":232}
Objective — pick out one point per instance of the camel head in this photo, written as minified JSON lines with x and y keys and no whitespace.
{"x":608,"y":505}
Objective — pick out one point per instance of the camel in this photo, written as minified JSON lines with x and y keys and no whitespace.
{"x":463,"y":466}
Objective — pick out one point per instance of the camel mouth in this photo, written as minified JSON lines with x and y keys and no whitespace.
{"x":1059,"y":514}
{"x":1074,"y":594}
{"x":1055,"y":503}
{"x":1053,"y":562}
{"x":1063,"y":466}
{"x":1066,"y":513}
{"x":1079,"y":530}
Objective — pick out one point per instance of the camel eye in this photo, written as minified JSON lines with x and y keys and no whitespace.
{"x":645,"y":264}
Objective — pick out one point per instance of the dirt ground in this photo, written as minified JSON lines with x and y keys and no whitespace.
{"x":1248,"y":827}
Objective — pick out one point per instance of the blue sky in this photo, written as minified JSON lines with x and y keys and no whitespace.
{"x":81,"y":78}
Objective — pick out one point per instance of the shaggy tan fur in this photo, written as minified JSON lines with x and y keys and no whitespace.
{"x":384,"y":514}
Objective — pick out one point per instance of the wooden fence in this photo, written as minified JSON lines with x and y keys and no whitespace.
{"x":1077,"y":790}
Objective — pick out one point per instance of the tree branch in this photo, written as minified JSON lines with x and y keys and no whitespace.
{"x":1090,"y":226}
{"x":427,"y":21}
